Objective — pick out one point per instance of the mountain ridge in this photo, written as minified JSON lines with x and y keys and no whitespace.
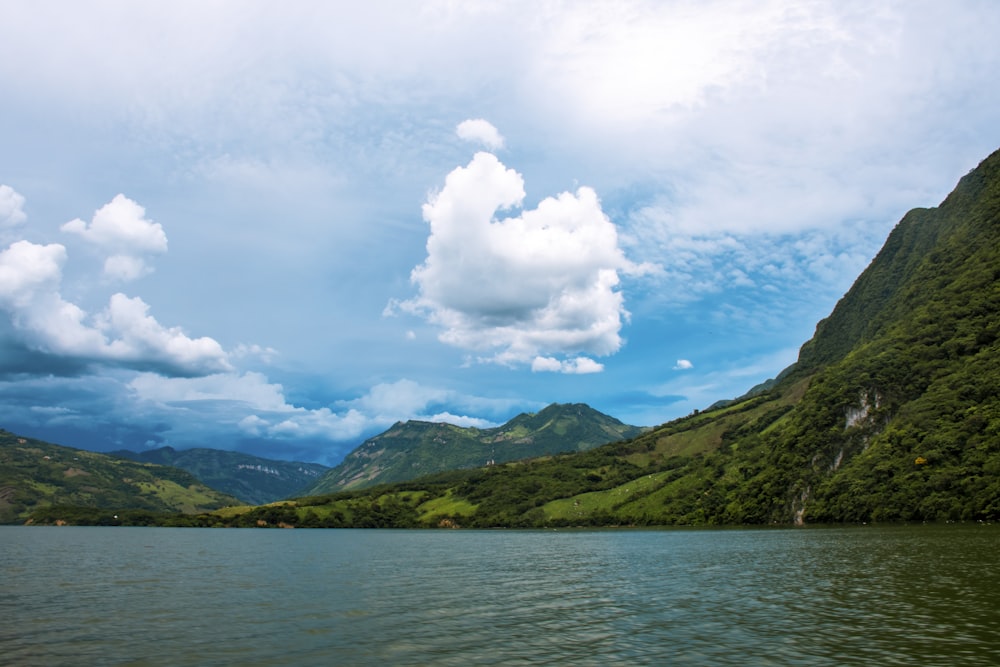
{"x":409,"y":449}
{"x":252,"y":479}
{"x":36,"y":476}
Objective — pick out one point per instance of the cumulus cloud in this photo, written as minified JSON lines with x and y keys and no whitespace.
{"x":531,"y":285}
{"x":137,"y":337}
{"x":27,"y":269}
{"x":30,"y":275}
{"x":253,"y":425}
{"x":403,"y":397}
{"x":577,"y":366}
{"x":251,"y":389}
{"x":481,"y":131}
{"x":11,"y":208}
{"x":246,"y":403}
{"x":683,"y":365}
{"x":465,"y":421}
{"x":254,"y":351}
{"x":388,"y":402}
{"x":121,"y":228}
{"x":125,"y":267}
{"x":123,"y":333}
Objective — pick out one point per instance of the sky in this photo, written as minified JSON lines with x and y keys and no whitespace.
{"x":279,"y":228}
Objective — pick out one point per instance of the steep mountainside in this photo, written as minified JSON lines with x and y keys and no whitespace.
{"x":36,"y":475}
{"x":933,"y":265}
{"x":409,"y":450}
{"x":250,"y":478}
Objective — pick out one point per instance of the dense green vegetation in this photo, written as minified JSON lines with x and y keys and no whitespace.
{"x":36,"y":475}
{"x":251,"y":479}
{"x":408,"y":450}
{"x":892,"y":413}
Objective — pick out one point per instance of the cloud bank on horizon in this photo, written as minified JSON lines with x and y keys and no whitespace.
{"x":679,"y":192}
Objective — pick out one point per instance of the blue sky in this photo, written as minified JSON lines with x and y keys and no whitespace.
{"x":280,"y":228}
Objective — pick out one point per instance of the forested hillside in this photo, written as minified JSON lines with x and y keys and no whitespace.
{"x":252,"y":479}
{"x":37,"y":476}
{"x":415,"y":448}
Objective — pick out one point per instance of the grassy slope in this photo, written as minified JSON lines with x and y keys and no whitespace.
{"x":36,"y":475}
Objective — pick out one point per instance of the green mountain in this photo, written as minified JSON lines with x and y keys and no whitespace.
{"x":414,"y":448}
{"x":40,"y":478}
{"x":252,"y":479}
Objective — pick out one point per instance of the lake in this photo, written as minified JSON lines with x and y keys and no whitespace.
{"x":906,"y":595}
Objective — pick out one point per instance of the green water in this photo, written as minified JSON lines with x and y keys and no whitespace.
{"x":921,"y":595}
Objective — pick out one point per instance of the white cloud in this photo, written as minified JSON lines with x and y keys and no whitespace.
{"x":404,"y":398}
{"x":251,"y":389}
{"x":739,"y":278}
{"x":389,"y":402}
{"x":773,"y":119}
{"x":542,"y":282}
{"x":30,"y":276}
{"x":460,"y":420}
{"x":626,"y":62}
{"x":125,"y":267}
{"x":124,"y":332}
{"x":120,"y":224}
{"x":322,"y":423}
{"x":683,"y":365}
{"x":252,"y":350}
{"x":253,"y":425}
{"x":249,"y":404}
{"x":138,"y":337}
{"x":11,"y":208}
{"x":481,"y":131}
{"x":546,"y":365}
{"x":27,"y":269}
{"x":577,"y":366}
{"x":120,"y":227}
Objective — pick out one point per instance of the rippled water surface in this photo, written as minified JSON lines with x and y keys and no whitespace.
{"x":922,"y":595}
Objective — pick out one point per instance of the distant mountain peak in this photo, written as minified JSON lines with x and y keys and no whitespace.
{"x":410,"y":449}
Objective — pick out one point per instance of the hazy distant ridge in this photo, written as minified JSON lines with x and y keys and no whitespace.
{"x":252,"y":479}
